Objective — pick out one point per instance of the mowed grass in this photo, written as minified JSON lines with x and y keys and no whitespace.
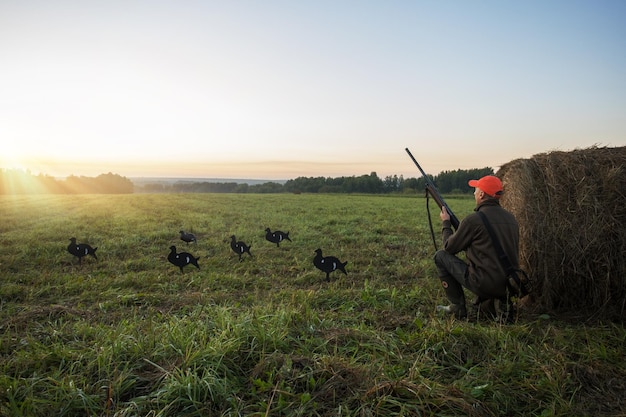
{"x":129,"y":335}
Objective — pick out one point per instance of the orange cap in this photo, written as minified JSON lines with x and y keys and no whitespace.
{"x":489,"y":184}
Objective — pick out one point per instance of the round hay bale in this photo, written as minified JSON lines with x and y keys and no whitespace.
{"x":571,"y":207}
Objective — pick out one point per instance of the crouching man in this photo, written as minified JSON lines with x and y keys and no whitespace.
{"x":484,"y":275}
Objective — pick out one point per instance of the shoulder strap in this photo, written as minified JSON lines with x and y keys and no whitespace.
{"x":517,"y":285}
{"x":506,"y":263}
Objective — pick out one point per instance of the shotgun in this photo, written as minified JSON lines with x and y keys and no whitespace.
{"x":434,"y":193}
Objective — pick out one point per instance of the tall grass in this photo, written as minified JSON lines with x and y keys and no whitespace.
{"x":129,"y":335}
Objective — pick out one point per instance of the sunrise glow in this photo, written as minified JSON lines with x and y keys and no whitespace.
{"x":279,"y":90}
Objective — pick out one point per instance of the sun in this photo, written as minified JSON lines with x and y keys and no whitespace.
{"x":11,"y":159}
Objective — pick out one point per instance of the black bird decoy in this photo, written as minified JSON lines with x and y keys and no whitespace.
{"x":182,"y":259}
{"x":187,"y":237}
{"x":328,"y":264}
{"x":239,"y":247}
{"x":80,"y":249}
{"x":276,"y":236}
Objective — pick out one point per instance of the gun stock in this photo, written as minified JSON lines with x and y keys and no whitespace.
{"x":434,"y":193}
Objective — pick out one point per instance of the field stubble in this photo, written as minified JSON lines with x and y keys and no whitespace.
{"x":128,"y":334}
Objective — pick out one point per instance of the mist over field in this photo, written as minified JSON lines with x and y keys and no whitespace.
{"x":142,"y":181}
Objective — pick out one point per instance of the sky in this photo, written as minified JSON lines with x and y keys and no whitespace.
{"x":282,"y":89}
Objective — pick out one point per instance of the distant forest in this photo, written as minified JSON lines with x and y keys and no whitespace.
{"x":23,"y":182}
{"x":448,"y":182}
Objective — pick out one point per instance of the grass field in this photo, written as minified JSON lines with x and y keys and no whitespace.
{"x":129,"y":335}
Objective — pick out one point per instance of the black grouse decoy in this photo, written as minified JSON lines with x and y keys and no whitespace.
{"x":182,"y":259}
{"x":239,"y":247}
{"x":276,"y":236}
{"x":328,"y":264}
{"x":80,"y":249}
{"x":187,"y":237}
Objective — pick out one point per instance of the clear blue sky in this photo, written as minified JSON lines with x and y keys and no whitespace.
{"x":280,"y":89}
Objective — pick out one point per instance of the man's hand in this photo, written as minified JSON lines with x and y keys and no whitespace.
{"x":444,"y":214}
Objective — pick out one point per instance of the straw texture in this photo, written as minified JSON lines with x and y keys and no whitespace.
{"x":571,"y":207}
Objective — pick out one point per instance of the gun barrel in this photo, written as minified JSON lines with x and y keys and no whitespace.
{"x":441,"y":203}
{"x":417,"y":164}
{"x":432,"y":190}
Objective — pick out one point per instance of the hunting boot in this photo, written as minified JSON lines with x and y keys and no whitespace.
{"x":456,"y":296}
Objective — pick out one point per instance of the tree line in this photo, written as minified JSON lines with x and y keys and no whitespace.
{"x":446,"y":181}
{"x":23,"y":182}
{"x":20,"y":182}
